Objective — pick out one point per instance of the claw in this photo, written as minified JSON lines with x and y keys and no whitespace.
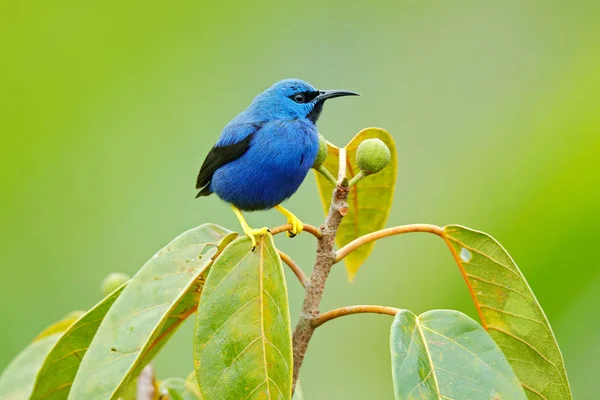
{"x":254,"y":233}
{"x":251,"y":233}
{"x":297,"y":225}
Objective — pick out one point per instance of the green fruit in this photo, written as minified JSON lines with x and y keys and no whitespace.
{"x":372,"y":156}
{"x":113,"y":281}
{"x":322,"y":154}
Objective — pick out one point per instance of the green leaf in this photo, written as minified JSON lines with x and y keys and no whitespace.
{"x":58,"y":371}
{"x":162,"y":294}
{"x":243,"y":341}
{"x":510,"y":312}
{"x":444,"y":354}
{"x":181,"y":389}
{"x":369,"y":201}
{"x":17,"y":380}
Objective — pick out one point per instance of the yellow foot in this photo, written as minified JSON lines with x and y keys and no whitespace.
{"x":297,"y":225}
{"x":251,"y":233}
{"x":254,"y":233}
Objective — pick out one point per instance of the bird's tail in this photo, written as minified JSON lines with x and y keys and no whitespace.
{"x":206,"y":191}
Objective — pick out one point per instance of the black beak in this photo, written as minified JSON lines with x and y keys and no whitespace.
{"x":330,"y":94}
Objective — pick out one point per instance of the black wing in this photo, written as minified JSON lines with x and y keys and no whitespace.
{"x":216,"y":158}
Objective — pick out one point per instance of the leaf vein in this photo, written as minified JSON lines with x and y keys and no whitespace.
{"x":514,"y":315}
{"x":235,"y":359}
{"x":227,"y":320}
{"x":255,"y":389}
{"x":497,"y":329}
{"x":466,"y":349}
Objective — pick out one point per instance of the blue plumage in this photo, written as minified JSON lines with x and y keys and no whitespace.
{"x":264,"y":154}
{"x":277,"y":161}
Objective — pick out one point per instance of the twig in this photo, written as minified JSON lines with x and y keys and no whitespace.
{"x":342,"y":168}
{"x":328,"y":175}
{"x":397,"y":230}
{"x":307,"y":228}
{"x":325,"y":259}
{"x":357,"y":178}
{"x":294,"y":267}
{"x":340,"y":312}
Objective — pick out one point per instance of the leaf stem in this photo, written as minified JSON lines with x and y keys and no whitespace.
{"x":396,"y":230}
{"x":294,"y":267}
{"x":307,"y":228}
{"x":357,"y":178}
{"x":340,"y":312}
{"x":328,"y":175}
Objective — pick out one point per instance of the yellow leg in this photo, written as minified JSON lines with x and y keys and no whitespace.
{"x":251,"y":233}
{"x":297,"y":225}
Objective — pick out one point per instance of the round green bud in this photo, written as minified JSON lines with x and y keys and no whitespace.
{"x":322,"y":154}
{"x":372,"y":156}
{"x":113,"y":281}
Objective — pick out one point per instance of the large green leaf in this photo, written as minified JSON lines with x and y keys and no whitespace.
{"x":510,"y":312}
{"x":58,"y":371}
{"x":243,"y":341}
{"x":162,"y":294}
{"x":444,"y":354}
{"x":369,"y":201}
{"x":17,"y":380}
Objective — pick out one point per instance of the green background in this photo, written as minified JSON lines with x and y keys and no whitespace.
{"x":108,"y":108}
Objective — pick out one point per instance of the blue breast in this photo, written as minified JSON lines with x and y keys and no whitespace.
{"x":279,"y":157}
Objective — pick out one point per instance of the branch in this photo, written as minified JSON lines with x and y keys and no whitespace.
{"x":397,"y":230}
{"x":340,"y":312}
{"x":294,"y":267}
{"x":325,"y":259}
{"x":307,"y":228}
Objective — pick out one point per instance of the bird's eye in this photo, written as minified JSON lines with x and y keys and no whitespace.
{"x":299,"y":98}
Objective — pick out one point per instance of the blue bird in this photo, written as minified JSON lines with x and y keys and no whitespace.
{"x":264,"y":154}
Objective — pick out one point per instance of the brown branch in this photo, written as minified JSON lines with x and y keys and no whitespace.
{"x":340,"y":312}
{"x":294,"y":267}
{"x":307,"y":228}
{"x":325,"y":259}
{"x":397,"y":230}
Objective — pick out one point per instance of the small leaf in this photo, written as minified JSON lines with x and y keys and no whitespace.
{"x":60,"y":367}
{"x":243,"y":341}
{"x":369,"y":201}
{"x":17,"y":380}
{"x":444,"y":354}
{"x":510,"y":312}
{"x":181,"y":389}
{"x":156,"y":300}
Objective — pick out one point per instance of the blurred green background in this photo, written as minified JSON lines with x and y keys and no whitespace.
{"x":108,"y":108}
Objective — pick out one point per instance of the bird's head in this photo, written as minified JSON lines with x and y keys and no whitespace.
{"x":294,"y":99}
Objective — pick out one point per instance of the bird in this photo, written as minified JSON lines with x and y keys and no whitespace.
{"x":263,"y":155}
